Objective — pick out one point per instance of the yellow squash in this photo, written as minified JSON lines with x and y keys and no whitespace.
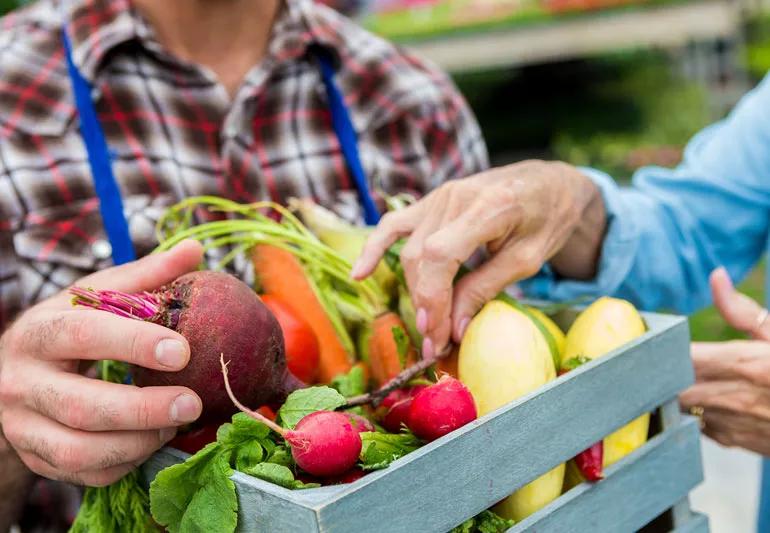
{"x":504,"y":356}
{"x":605,"y":325}
{"x":550,"y":325}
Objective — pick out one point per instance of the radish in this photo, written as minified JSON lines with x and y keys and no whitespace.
{"x":394,"y":409}
{"x":324,"y":443}
{"x":440,"y":409}
{"x":216,"y":313}
{"x":360,"y":423}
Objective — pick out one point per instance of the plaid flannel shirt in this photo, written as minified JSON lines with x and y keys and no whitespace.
{"x":174,"y":132}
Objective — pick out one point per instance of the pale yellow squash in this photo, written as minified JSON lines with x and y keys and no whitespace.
{"x":504,"y":356}
{"x":607,"y":324}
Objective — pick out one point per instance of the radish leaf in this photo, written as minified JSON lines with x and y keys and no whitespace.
{"x":305,"y":401}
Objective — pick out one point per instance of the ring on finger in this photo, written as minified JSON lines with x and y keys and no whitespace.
{"x":698,"y":412}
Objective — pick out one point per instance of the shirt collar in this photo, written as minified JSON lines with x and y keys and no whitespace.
{"x":95,"y":28}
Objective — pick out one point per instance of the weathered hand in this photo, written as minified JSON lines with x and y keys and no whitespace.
{"x":74,"y":428}
{"x":733,"y":378}
{"x":523,"y":214}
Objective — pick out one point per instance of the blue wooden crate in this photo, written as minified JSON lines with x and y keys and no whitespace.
{"x":452,"y":479}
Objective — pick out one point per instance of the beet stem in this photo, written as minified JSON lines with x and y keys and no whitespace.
{"x":141,"y":306}
{"x":404,"y":377}
{"x":253,"y":414}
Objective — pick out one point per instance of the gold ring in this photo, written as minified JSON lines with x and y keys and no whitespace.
{"x":698,"y":411}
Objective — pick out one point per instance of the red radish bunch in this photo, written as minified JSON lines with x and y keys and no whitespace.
{"x":323,"y":443}
{"x":394,"y":409}
{"x":440,"y":409}
{"x":216,"y":313}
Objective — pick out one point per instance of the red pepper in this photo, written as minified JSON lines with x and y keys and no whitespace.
{"x":589,"y":462}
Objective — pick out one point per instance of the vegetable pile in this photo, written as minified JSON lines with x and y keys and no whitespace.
{"x":310,"y":378}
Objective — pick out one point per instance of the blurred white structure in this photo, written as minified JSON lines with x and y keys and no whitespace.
{"x":730,"y":493}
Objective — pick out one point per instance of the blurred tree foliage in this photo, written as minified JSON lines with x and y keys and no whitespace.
{"x":758,"y":45}
{"x":8,"y":5}
{"x":614,"y":112}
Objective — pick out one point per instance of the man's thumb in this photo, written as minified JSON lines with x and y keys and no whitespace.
{"x":149,"y":272}
{"x":738,"y":310}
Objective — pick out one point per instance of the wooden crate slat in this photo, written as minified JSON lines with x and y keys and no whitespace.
{"x":504,"y":450}
{"x":636,"y":490}
{"x":697,"y":524}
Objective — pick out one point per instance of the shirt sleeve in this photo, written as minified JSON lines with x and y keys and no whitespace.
{"x":672,"y":227}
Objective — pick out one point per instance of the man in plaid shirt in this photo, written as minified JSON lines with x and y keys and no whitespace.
{"x":195,"y":97}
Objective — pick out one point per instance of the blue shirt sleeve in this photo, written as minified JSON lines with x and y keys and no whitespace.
{"x":672,"y":227}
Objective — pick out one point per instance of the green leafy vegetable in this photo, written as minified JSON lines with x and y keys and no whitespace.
{"x":280,"y":475}
{"x":402,"y":344}
{"x":484,"y":522}
{"x":350,"y":384}
{"x":281,"y":455}
{"x":124,"y":505}
{"x":190,"y":496}
{"x":305,"y":401}
{"x":574,"y":362}
{"x":381,"y":449}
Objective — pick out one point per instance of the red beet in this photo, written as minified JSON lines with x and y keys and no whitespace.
{"x":440,"y":409}
{"x":590,"y":462}
{"x":325,"y":443}
{"x":217,"y":314}
{"x":394,"y":409}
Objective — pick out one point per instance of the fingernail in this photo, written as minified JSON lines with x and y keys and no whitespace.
{"x":428,"y":351}
{"x":171,"y":353}
{"x":355,"y":272}
{"x":422,"y":320}
{"x":462,"y":327}
{"x":185,"y":408}
{"x":166,"y":434}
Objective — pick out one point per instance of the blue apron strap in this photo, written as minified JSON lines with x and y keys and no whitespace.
{"x":110,"y":202}
{"x":346,"y":135}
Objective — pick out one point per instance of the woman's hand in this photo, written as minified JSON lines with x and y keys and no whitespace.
{"x":733,"y":378}
{"x":524,"y":214}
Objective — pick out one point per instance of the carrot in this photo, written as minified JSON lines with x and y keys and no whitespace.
{"x":448,"y":364}
{"x":281,"y":274}
{"x":384,"y":360}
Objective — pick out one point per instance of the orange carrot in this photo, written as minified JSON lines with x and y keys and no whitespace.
{"x":384,"y":361}
{"x":448,"y":364}
{"x":282,"y":275}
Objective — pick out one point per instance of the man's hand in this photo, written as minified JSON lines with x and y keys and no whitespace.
{"x":733,"y":378}
{"x":73,"y":428}
{"x":523,"y":214}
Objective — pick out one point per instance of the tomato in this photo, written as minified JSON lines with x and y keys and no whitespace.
{"x":302,"y":352}
{"x":194,"y":440}
{"x":267,"y":412}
